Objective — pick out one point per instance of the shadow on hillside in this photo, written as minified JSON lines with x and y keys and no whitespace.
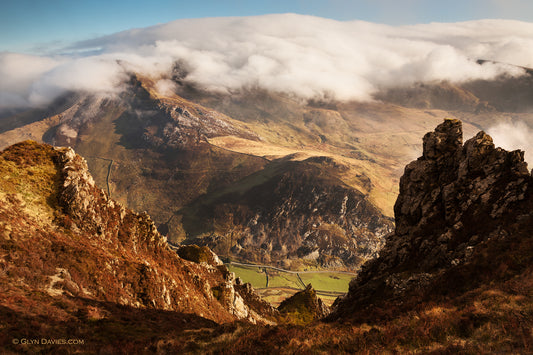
{"x":99,"y":327}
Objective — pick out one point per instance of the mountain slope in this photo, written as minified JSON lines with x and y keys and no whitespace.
{"x":70,"y":253}
{"x":455,"y":277}
{"x":289,"y":211}
{"x":170,"y":153}
{"x":156,"y":153}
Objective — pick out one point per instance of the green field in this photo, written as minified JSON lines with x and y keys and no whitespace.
{"x":254,"y":275}
{"x":330,"y":281}
{"x":274,"y":285}
{"x":278,"y":278}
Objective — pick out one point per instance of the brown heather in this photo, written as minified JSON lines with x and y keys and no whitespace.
{"x":74,"y":262}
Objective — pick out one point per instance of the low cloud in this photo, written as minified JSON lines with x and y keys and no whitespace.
{"x":512,"y":136}
{"x":307,"y":56}
{"x":94,"y":74}
{"x":19,"y":72}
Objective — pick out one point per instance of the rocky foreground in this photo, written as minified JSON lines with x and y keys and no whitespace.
{"x":456,"y":276}
{"x":76,"y":263}
{"x":464,"y":217}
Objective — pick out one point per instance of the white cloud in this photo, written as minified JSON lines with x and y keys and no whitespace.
{"x":94,"y":74}
{"x":18,"y":73}
{"x":513,"y":135}
{"x":303,"y":55}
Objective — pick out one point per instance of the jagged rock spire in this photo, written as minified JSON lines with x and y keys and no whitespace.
{"x":453,"y":200}
{"x":446,"y":140}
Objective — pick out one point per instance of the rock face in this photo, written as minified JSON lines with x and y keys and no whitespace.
{"x":178,"y":123}
{"x":150,"y":151}
{"x":304,"y":306}
{"x":65,"y":238}
{"x":295,"y":210}
{"x":458,"y":205}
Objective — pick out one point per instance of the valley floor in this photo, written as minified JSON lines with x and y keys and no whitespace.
{"x":275,"y":284}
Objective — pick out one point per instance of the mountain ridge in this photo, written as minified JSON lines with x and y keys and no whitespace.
{"x":470,"y":293}
{"x":171,"y":151}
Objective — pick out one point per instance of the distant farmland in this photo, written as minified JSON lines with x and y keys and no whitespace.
{"x":274,"y":284}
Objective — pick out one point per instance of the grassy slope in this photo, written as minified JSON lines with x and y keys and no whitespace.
{"x":329,"y":285}
{"x":34,"y":185}
{"x":374,"y":140}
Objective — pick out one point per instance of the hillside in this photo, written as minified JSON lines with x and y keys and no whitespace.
{"x":195,"y":160}
{"x":287,"y":212}
{"x":454,"y":277}
{"x":77,"y":264}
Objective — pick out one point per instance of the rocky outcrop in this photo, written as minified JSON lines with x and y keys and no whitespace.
{"x":242,"y":301}
{"x":255,"y":302}
{"x":199,"y":254}
{"x":304,"y":306}
{"x":456,"y":203}
{"x":451,"y":189}
{"x":82,"y":244}
{"x":239,"y":299}
{"x":90,"y":209}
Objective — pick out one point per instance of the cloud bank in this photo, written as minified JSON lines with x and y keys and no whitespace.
{"x":303,"y":55}
{"x":513,"y":135}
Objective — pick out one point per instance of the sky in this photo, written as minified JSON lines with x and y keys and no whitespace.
{"x":38,"y":26}
{"x":336,"y":49}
